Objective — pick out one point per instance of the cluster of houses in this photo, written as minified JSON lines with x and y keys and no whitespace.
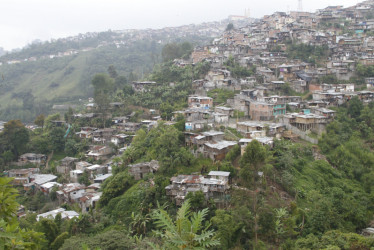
{"x":266,"y":115}
{"x":119,"y":134}
{"x":253,"y":43}
{"x":258,"y":111}
{"x":262,"y":44}
{"x":214,"y":186}
{"x":71,"y":191}
{"x":211,"y":144}
{"x":70,"y":170}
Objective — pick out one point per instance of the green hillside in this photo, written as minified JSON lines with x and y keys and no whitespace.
{"x":66,"y":79}
{"x":29,"y":88}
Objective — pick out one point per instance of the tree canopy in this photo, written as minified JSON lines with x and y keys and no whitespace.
{"x":14,"y":138}
{"x":11,"y":235}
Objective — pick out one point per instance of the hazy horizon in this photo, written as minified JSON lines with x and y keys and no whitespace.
{"x":23,"y":21}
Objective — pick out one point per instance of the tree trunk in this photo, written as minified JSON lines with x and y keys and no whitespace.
{"x":255,"y":208}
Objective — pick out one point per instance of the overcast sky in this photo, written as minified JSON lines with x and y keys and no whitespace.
{"x":22,"y":21}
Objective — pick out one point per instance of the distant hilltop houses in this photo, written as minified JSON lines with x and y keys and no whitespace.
{"x":121,"y":38}
{"x":263,"y":45}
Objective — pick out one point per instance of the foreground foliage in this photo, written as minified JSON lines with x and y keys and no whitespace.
{"x":11,"y":235}
{"x":187,"y":231}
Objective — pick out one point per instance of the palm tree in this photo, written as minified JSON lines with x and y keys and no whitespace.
{"x":139,"y":223}
{"x":187,"y":231}
{"x":280,"y":214}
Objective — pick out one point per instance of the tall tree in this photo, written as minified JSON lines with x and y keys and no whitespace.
{"x":49,"y":228}
{"x":139,"y":223}
{"x":103,"y":88}
{"x":229,"y":27}
{"x":112,"y":71}
{"x":172,"y":51}
{"x":28,"y":101}
{"x":122,"y":82}
{"x":115,"y":186}
{"x":226,"y":228}
{"x":132,"y":77}
{"x":14,"y":137}
{"x":355,"y":107}
{"x":39,"y":120}
{"x":253,"y":159}
{"x":56,"y":139}
{"x":68,"y":116}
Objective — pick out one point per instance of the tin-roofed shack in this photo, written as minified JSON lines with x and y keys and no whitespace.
{"x":218,"y":150}
{"x":100,"y":152}
{"x":142,"y":86}
{"x":214,"y":186}
{"x":200,"y":102}
{"x":88,"y":201}
{"x":32,"y":158}
{"x":82,"y":165}
{"x":141,"y":169}
{"x":52,"y":214}
{"x":96,"y":170}
{"x":102,"y":178}
{"x":70,"y":193}
{"x":255,"y":129}
{"x":39,"y":179}
{"x":21,"y":176}
{"x":66,"y":165}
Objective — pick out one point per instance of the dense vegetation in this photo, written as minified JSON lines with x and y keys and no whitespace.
{"x":238,"y":71}
{"x":307,"y":53}
{"x":220,"y":96}
{"x":301,"y":201}
{"x":173,"y":85}
{"x":291,"y":196}
{"x":173,"y":51}
{"x":30,"y":88}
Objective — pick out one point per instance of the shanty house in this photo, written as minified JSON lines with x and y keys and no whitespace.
{"x":32,"y":158}
{"x":141,"y":169}
{"x":22,"y":176}
{"x":200,"y":102}
{"x":66,"y":165}
{"x":218,"y":150}
{"x":214,"y":186}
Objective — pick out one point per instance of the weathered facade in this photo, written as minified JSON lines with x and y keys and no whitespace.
{"x":218,"y":150}
{"x":66,"y":165}
{"x":262,"y":111}
{"x":200,"y":102}
{"x":141,"y":169}
{"x":32,"y":158}
{"x":22,"y":176}
{"x":214,"y":186}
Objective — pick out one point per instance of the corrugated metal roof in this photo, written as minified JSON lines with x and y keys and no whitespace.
{"x":219,"y":173}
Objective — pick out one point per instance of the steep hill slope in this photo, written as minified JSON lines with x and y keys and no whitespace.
{"x":34,"y":79}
